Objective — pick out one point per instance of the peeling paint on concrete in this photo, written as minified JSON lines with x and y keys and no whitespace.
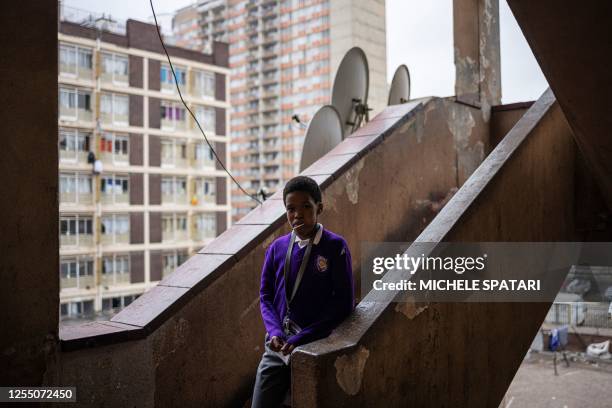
{"x":467,"y":74}
{"x":352,"y":182}
{"x":407,"y":126}
{"x":268,"y":241}
{"x":409,"y":309}
{"x":349,"y":370}
{"x":460,"y":123}
{"x":428,"y":108}
{"x":329,"y":201}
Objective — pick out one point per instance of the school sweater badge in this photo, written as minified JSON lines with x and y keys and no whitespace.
{"x":321,"y":264}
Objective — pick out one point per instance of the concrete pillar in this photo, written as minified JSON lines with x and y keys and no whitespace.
{"x":477,"y":53}
{"x":29,"y":238}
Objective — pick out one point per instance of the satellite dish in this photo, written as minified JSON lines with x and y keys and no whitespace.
{"x":323,"y":134}
{"x":350,"y":90}
{"x":400,"y":86}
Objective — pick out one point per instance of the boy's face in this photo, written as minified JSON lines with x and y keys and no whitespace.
{"x":302,"y":212}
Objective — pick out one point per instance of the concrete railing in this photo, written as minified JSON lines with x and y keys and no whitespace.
{"x":455,"y":354}
{"x":197,"y":337}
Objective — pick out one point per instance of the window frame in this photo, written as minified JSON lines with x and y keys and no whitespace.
{"x":114,"y":218}
{"x":113,"y":138}
{"x":77,"y":219}
{"x":114,"y":96}
{"x":114,"y":177}
{"x":115,"y":261}
{"x":78,"y":50}
{"x":76,"y":91}
{"x":113,"y":74}
{"x":76,"y":180}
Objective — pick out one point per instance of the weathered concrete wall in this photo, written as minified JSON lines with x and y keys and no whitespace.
{"x":29,"y":241}
{"x":584,"y":33}
{"x":453,"y":354}
{"x":503,"y":118}
{"x":477,"y":53}
{"x":207,"y":349}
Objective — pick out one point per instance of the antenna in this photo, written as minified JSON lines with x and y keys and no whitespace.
{"x":400,"y":86}
{"x":324,"y":133}
{"x":350,"y":90}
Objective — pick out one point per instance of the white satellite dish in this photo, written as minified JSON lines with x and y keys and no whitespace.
{"x":400,"y":86}
{"x":350,"y":90}
{"x":323,"y":134}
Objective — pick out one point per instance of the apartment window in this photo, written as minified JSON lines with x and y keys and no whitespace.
{"x":116,"y":269}
{"x":205,"y":190}
{"x":75,"y":188}
{"x":174,"y":190}
{"x":114,"y":189}
{"x":174,"y":227}
{"x":73,"y":145}
{"x":203,"y":155}
{"x":114,"y":304}
{"x":115,"y":148}
{"x":76,"y":230}
{"x":173,"y":260}
{"x":77,"y":273}
{"x":115,"y":229}
{"x":204,"y":84}
{"x":206,"y":226}
{"x":206,"y":116}
{"x":167,"y":79}
{"x":115,"y":68}
{"x":75,"y":62}
{"x":172,"y":116}
{"x":173,"y":153}
{"x":75,"y":104}
{"x":83,"y":308}
{"x":114,"y":109}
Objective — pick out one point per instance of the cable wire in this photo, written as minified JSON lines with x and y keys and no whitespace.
{"x":191,"y":113}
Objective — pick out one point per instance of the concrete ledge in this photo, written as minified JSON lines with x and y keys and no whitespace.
{"x":425,"y":347}
{"x":156,"y":306}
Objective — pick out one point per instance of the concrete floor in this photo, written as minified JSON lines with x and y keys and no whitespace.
{"x":582,"y":385}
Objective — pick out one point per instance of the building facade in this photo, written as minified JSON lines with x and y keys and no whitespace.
{"x":140,"y":190}
{"x":283,"y":57}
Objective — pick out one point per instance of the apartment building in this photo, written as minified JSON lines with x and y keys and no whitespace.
{"x":283,"y":57}
{"x":140,"y":190}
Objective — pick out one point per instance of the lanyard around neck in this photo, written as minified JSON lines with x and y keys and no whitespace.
{"x":287,"y":268}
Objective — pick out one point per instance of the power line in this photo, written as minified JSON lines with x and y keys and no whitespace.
{"x":191,"y":113}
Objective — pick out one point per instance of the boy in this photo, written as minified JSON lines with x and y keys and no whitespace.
{"x":306,"y":289}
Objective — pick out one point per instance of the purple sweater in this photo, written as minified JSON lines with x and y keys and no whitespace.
{"x":325,"y":296}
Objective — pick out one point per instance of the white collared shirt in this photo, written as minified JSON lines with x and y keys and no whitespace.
{"x":303,"y":242}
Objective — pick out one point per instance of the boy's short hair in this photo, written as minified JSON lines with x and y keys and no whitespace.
{"x":305,"y":184}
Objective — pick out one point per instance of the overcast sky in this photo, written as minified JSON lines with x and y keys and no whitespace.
{"x":419,"y":34}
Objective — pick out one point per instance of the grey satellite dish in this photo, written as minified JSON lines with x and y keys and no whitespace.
{"x":350,"y":90}
{"x":323,"y":134}
{"x":400,"y":86}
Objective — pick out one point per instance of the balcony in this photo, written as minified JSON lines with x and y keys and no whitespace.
{"x":115,"y":279}
{"x":81,"y":282}
{"x":84,"y":240}
{"x":112,"y":239}
{"x":173,"y":125}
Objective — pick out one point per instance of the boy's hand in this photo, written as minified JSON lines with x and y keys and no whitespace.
{"x":287,"y":348}
{"x":276,"y":343}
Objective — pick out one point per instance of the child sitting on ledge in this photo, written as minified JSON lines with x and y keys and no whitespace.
{"x":306,"y":289}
